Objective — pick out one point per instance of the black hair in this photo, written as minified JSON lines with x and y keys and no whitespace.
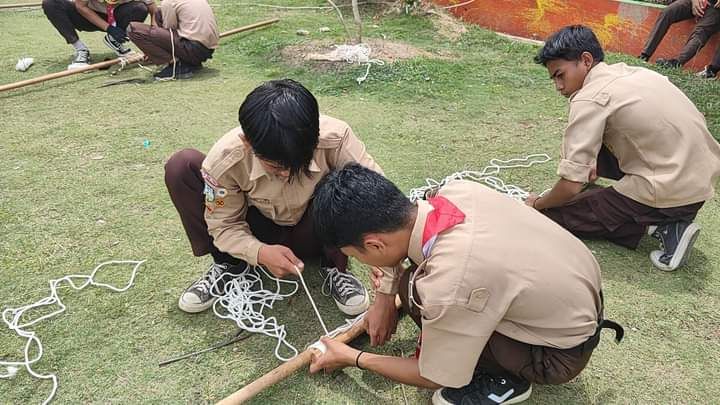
{"x":569,"y":43}
{"x":281,"y":121}
{"x":354,"y":201}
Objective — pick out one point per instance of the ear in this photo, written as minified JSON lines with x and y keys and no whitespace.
{"x":374,"y":243}
{"x":587,"y":60}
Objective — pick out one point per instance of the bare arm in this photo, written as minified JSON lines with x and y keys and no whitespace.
{"x":561,"y":193}
{"x":402,"y":370}
{"x":90,"y":15}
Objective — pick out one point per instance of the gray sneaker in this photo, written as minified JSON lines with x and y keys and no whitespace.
{"x":348,"y":292}
{"x":203,"y":293}
{"x":82,"y":59}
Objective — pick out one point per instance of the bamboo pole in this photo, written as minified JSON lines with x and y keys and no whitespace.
{"x":286,"y":369}
{"x":20,"y":5}
{"x":134,"y":58}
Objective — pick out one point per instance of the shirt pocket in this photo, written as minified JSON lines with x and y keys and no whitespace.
{"x":264,"y":205}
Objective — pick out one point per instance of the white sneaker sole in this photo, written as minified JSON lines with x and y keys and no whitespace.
{"x":354,"y":310}
{"x":73,"y":66}
{"x":682,"y":252}
{"x":437,"y":398}
{"x":194,"y":308}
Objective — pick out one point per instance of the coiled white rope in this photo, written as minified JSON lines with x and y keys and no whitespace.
{"x":359,"y":54}
{"x":13,"y":316}
{"x":487,"y":175}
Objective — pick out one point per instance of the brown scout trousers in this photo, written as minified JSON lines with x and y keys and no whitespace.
{"x":502,"y":355}
{"x":185,"y":185}
{"x":157,"y":44}
{"x":681,"y":10}
{"x":603,"y":213}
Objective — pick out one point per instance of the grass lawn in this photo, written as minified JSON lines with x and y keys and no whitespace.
{"x":80,"y":185}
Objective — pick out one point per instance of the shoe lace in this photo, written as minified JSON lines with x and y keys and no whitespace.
{"x":342,"y":283}
{"x":82,"y":54}
{"x":211,"y":277}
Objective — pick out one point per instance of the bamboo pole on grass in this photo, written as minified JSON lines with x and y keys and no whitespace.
{"x":106,"y":64}
{"x":20,"y":5}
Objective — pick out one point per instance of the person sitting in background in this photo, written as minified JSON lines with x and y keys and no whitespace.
{"x":110,"y":16}
{"x":632,"y":125}
{"x":185,"y":36}
{"x":708,"y":23}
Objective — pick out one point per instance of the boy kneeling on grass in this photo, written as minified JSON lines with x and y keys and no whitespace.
{"x":504,"y":296}
{"x":632,"y":125}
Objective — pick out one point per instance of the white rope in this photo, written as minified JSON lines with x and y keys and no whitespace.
{"x":312,"y":301}
{"x":245,"y":298}
{"x":487,"y":175}
{"x":12,"y":318}
{"x":359,"y":54}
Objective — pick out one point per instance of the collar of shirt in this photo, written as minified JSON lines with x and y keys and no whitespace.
{"x":258,"y":170}
{"x":435,"y":216}
{"x":595,"y":72}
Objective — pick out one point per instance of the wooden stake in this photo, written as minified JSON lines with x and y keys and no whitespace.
{"x":21,"y":5}
{"x":286,"y":369}
{"x":134,"y":58}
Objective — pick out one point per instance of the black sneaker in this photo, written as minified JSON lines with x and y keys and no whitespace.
{"x":347,"y":291}
{"x":177,"y":70}
{"x":668,"y":63}
{"x":118,"y":47}
{"x":676,"y":241}
{"x":706,"y":73}
{"x":198,"y":297}
{"x":644,"y":57}
{"x":485,"y":389}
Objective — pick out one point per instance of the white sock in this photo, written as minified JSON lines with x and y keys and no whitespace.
{"x":79,"y":45}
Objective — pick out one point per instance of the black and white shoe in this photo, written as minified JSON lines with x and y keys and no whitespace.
{"x":82,"y":59}
{"x":118,"y":47}
{"x":348,"y":292}
{"x":203,"y":293}
{"x":706,"y":73}
{"x":668,"y":63}
{"x":485,"y":389}
{"x":676,"y":240}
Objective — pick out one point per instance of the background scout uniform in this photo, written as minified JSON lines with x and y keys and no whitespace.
{"x":644,"y":132}
{"x":499,"y":287}
{"x":195,"y":33}
{"x":229,"y":205}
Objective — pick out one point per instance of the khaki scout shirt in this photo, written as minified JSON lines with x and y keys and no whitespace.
{"x":660,"y":139}
{"x":235,"y":179}
{"x":506,"y":268}
{"x":193,"y":20}
{"x":101,"y":6}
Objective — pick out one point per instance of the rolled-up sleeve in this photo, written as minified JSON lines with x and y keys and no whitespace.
{"x":582,"y":140}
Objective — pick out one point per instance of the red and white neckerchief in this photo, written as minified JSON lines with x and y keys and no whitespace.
{"x":444,"y":216}
{"x":110,"y":9}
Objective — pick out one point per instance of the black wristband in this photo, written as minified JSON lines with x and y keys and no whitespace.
{"x":357,"y":360}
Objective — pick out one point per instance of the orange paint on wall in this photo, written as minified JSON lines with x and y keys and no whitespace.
{"x":620,"y":26}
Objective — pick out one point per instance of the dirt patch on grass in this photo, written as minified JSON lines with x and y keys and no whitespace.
{"x":323,"y":56}
{"x":446,"y":25}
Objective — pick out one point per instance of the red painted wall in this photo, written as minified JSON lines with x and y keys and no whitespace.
{"x":621,"y":26}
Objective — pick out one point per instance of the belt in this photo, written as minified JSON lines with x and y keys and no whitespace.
{"x":603,"y":323}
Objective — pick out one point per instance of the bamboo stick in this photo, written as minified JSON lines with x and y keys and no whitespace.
{"x":286,"y":369}
{"x":20,"y":5}
{"x":134,"y":58}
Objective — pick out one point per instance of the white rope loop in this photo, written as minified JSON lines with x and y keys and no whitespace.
{"x":12,"y":318}
{"x":359,"y":54}
{"x":487,"y":176}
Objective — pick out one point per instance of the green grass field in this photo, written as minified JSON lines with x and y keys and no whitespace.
{"x":79,"y":187}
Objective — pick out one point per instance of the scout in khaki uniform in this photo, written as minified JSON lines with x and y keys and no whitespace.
{"x":247,"y":201}
{"x":185,"y":37}
{"x":632,"y":125}
{"x":504,"y":296}
{"x":111,"y":16}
